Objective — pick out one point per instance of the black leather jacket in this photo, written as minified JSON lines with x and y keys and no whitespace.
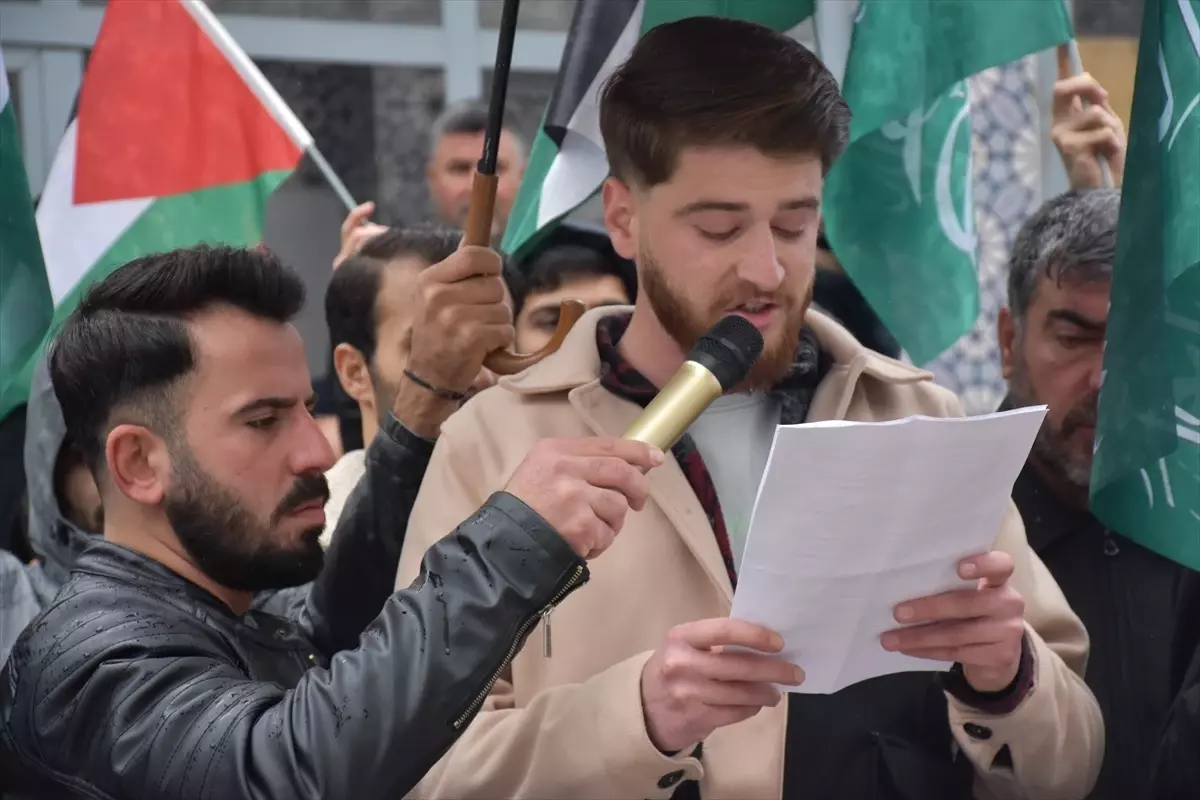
{"x":135,"y":683}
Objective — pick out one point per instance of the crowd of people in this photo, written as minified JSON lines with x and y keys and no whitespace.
{"x":437,"y":583}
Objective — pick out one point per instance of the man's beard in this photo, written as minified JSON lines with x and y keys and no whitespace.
{"x":686,"y":325}
{"x":229,"y":543}
{"x":1051,"y":447}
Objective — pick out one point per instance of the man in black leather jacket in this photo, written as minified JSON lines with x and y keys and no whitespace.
{"x":150,"y":676}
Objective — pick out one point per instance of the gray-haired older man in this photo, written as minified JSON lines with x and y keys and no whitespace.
{"x":1051,"y":345}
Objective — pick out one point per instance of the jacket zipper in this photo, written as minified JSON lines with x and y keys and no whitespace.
{"x":544,"y":613}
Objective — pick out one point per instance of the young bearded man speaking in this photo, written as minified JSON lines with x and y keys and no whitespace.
{"x":645,"y":688}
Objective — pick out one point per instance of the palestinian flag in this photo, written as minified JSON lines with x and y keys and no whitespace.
{"x":898,"y":206}
{"x":178,"y":140}
{"x":25,"y":306}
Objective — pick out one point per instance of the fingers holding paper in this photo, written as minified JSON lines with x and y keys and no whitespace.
{"x":980,"y":628}
{"x":693,"y":685}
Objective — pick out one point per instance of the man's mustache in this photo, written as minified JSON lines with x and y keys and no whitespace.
{"x":307,"y":488}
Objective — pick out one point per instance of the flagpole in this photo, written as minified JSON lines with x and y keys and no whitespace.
{"x":335,"y":183}
{"x":478,"y":231}
{"x":1070,"y":64}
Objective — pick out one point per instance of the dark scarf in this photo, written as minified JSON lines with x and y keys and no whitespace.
{"x":794,"y":394}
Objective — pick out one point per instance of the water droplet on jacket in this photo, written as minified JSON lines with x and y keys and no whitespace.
{"x":447,"y":651}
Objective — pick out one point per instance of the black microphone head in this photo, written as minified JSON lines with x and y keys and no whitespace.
{"x":729,"y":350}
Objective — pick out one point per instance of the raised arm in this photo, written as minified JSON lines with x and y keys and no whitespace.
{"x":156,"y":716}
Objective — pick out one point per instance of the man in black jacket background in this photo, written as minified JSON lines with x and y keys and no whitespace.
{"x":150,"y":676}
{"x":1052,"y":346}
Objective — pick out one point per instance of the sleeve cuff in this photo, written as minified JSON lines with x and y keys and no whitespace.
{"x":630,"y":758}
{"x":535,"y":527}
{"x":401,"y":435}
{"x":1002,"y":702}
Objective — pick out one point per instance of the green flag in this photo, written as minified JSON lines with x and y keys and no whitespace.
{"x":1146,"y":473}
{"x":25,"y":305}
{"x":898,"y":206}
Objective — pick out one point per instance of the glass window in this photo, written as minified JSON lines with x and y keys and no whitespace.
{"x":426,"y":12}
{"x":528,"y":93}
{"x":537,"y":15}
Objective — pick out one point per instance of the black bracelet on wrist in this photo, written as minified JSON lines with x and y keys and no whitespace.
{"x":445,"y":394}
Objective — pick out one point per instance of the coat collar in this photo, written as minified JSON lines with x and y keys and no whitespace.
{"x":577,"y":362}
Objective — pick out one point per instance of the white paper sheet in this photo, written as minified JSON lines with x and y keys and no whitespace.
{"x":854,"y":518}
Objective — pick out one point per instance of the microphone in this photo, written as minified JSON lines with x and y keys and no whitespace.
{"x":721,"y":359}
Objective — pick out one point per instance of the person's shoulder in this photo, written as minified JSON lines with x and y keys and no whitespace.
{"x":497,"y":408}
{"x":96,"y":619}
{"x":910,"y":387}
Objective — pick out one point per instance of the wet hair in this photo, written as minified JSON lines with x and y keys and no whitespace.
{"x":469,"y":116}
{"x":710,"y":82}
{"x":1072,"y":237}
{"x":123,"y":350}
{"x":350,"y":300}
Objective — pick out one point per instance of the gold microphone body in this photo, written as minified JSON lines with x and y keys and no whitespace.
{"x":675,"y":407}
{"x":720,"y":360}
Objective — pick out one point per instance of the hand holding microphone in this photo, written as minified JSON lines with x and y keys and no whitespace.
{"x":584,"y":487}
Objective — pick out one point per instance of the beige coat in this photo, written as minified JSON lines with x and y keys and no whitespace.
{"x":571,"y":726}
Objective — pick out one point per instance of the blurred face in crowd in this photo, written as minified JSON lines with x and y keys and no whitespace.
{"x":245,"y":491}
{"x":539,"y":315}
{"x":732,"y":231}
{"x":78,"y":495}
{"x":451,"y":170}
{"x":1055,"y":356}
{"x":374,"y":384}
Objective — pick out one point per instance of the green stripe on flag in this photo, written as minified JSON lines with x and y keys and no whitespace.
{"x":898,"y":205}
{"x":25,"y":304}
{"x":1146,"y":473}
{"x":521,"y":233}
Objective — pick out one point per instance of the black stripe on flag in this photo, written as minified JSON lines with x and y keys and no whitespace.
{"x":595,"y":28}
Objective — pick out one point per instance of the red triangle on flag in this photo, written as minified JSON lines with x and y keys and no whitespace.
{"x":162,"y":111}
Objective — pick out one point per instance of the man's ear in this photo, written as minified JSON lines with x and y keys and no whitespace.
{"x":1006,"y":335}
{"x":620,"y":217}
{"x":353,"y":374}
{"x":138,"y":463}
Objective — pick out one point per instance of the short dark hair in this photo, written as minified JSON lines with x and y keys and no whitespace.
{"x":469,"y":116}
{"x":1071,"y":237}
{"x":559,"y":264}
{"x":350,"y":300}
{"x":127,"y":343}
{"x":710,"y":81}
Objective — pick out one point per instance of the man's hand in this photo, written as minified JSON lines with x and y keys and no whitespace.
{"x":691,"y":685}
{"x":1084,"y":135}
{"x":585,"y":487}
{"x":980,"y":628}
{"x":459,"y":316}
{"x":357,"y":230}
